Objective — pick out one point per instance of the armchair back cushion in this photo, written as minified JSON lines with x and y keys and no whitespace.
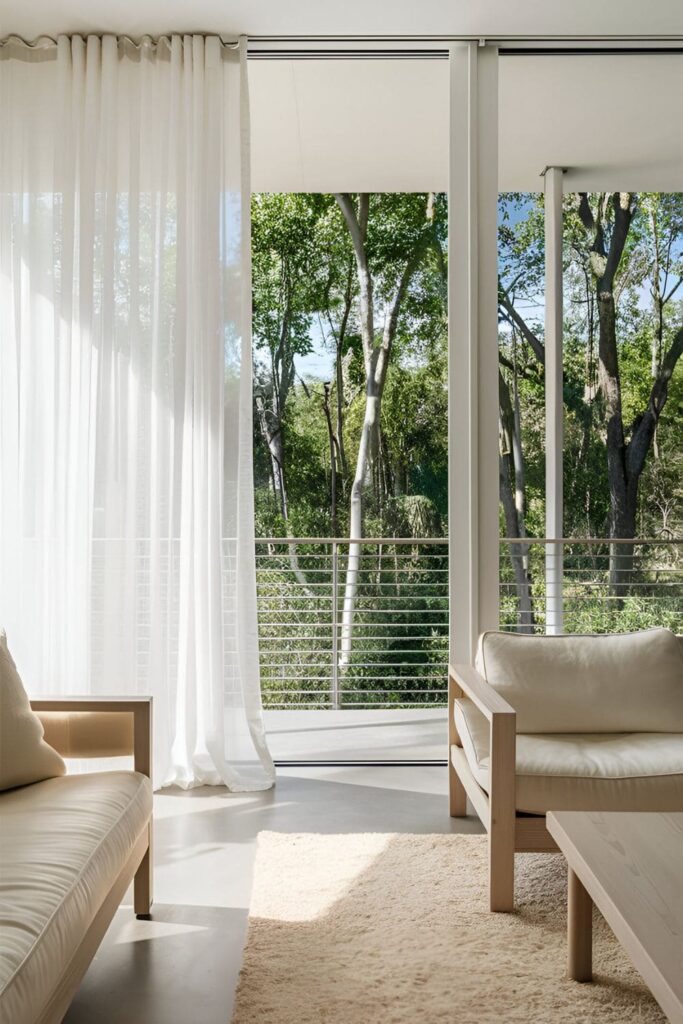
{"x":625,"y":682}
{"x":25,"y":757}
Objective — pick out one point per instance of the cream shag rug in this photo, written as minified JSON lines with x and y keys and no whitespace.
{"x":394,"y":929}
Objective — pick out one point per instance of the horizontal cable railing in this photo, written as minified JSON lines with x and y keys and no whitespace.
{"x":380,"y":640}
{"x":590,"y":585}
{"x":389,"y":648}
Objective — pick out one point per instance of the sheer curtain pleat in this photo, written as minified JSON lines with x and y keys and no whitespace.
{"x":126,"y":516}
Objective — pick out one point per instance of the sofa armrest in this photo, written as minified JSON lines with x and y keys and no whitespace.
{"x":99,"y":727}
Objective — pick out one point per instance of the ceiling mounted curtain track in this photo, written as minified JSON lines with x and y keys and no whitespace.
{"x":402,"y":53}
{"x":436,"y":47}
{"x":411,"y":48}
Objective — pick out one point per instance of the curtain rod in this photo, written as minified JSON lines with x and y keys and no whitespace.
{"x":46,"y":42}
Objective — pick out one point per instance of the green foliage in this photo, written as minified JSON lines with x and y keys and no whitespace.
{"x":303,"y":264}
{"x":653,"y":256}
{"x":306,"y":308}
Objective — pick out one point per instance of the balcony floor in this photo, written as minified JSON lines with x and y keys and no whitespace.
{"x":348,"y":735}
{"x":183,"y":965}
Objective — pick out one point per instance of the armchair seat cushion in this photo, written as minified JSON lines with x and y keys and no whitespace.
{"x":637,"y":771}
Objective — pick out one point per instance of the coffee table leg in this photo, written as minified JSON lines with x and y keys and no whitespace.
{"x":579,"y":931}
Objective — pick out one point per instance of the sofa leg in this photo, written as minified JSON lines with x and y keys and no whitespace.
{"x":457,"y":795}
{"x":142,"y":884}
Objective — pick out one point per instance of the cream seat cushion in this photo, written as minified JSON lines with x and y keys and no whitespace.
{"x":640,"y":771}
{"x":63,"y":842}
{"x":620,"y":682}
{"x":24,"y":755}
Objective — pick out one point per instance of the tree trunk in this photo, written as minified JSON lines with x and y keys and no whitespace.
{"x":519,"y":558}
{"x":512,"y":497}
{"x":277,"y":458}
{"x":339,"y":371}
{"x":364,"y":463}
{"x":357,"y":225}
{"x":621,"y":555}
{"x":605,"y":264}
{"x":270,"y":422}
{"x":625,"y":462}
{"x":376,"y":359}
{"x":333,"y":460}
{"x":622,"y":513}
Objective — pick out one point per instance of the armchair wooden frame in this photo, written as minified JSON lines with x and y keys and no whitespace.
{"x":101,"y":727}
{"x":508,"y":831}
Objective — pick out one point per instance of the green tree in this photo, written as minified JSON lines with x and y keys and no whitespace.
{"x":391,"y":235}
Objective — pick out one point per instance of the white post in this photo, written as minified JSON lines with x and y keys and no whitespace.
{"x":473,"y":347}
{"x":554,"y":402}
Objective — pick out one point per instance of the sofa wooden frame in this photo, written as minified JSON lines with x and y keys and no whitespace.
{"x":508,"y":831}
{"x":101,"y":727}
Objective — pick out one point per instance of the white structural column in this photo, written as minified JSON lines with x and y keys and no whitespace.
{"x":554,"y":402}
{"x":473,"y":346}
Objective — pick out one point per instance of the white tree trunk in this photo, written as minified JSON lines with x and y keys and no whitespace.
{"x":363,"y":464}
{"x":376,"y":359}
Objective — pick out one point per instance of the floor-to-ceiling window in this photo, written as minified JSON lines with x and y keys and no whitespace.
{"x":565,"y":519}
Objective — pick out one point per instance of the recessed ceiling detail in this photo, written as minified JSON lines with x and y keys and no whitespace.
{"x":383,"y":125}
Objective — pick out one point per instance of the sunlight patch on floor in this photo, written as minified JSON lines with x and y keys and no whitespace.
{"x":326,"y":887}
{"x":142,"y":931}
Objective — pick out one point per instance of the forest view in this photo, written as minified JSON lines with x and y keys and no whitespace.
{"x":350,"y":395}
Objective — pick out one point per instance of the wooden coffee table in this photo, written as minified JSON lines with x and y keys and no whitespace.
{"x":631,"y":866}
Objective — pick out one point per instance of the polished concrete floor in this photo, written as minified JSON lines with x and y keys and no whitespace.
{"x":182,"y":966}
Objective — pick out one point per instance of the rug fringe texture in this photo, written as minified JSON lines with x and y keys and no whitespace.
{"x":394,"y":929}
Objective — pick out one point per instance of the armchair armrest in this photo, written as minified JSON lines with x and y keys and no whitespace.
{"x":99,"y":727}
{"x":463,"y":679}
{"x":497,"y":809}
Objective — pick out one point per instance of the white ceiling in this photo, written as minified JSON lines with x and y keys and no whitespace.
{"x":31,"y":18}
{"x":349,"y":126}
{"x":382,"y":125}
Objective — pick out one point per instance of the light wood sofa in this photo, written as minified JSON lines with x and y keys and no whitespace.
{"x":563,"y":723}
{"x":69,"y":849}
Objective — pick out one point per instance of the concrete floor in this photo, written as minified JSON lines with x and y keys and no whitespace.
{"x":182,"y":966}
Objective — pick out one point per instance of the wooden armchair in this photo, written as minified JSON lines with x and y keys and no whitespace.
{"x":563,"y":723}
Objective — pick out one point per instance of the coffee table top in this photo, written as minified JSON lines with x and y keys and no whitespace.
{"x":631,"y":864}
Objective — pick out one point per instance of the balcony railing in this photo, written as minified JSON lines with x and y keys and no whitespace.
{"x":390,"y":650}
{"x":591,"y":585}
{"x":399,"y":623}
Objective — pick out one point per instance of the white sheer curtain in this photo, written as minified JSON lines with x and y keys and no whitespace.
{"x":126,"y":551}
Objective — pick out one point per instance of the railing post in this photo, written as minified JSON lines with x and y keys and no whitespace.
{"x":336,"y":704}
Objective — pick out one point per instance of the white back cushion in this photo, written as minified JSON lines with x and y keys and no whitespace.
{"x":626,"y":682}
{"x":24,"y":755}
